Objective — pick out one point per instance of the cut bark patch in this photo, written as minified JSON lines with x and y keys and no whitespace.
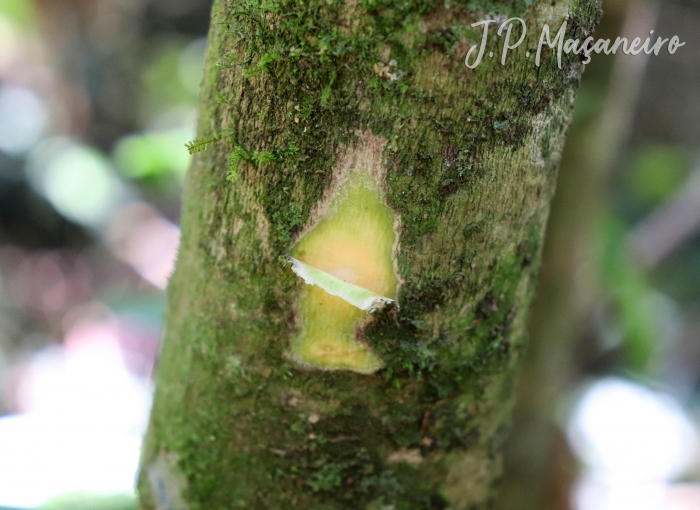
{"x":347,"y":262}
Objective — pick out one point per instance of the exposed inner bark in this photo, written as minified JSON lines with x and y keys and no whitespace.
{"x":354,"y":243}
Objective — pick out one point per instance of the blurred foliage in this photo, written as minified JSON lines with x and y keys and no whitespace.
{"x":20,"y":12}
{"x":635,"y":324}
{"x":172,"y":75}
{"x":90,"y":502}
{"x":656,"y":172}
{"x":588,"y":101}
{"x":153,"y":156}
{"x":97,"y":102}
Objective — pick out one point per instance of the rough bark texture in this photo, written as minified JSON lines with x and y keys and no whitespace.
{"x":292,"y":88}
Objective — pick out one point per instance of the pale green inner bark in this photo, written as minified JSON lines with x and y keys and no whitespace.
{"x":346,"y":261}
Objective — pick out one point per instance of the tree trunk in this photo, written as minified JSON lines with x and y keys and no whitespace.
{"x":376,"y":370}
{"x":540,"y":469}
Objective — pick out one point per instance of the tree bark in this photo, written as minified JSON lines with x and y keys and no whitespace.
{"x":298,"y":96}
{"x":540,"y":469}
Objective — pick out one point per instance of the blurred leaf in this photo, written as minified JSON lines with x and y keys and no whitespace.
{"x":20,"y":12}
{"x":587,"y":104}
{"x":656,"y":172}
{"x":152,"y":155}
{"x":91,"y":502}
{"x":191,"y":65}
{"x":77,"y":179}
{"x":162,"y":82}
{"x":632,"y":296}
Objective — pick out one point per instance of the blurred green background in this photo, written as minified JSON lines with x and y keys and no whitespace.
{"x":97,"y":101}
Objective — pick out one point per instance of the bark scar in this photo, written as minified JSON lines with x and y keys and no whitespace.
{"x":346,"y":257}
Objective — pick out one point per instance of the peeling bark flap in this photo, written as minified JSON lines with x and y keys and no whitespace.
{"x":357,"y":296}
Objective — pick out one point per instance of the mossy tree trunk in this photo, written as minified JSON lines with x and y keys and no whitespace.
{"x":302,"y":95}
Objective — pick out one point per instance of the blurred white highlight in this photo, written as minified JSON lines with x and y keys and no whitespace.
{"x":633,"y":442}
{"x":84,"y":416}
{"x":41,"y":461}
{"x":23,"y":119}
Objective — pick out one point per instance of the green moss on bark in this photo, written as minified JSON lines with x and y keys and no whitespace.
{"x":470,"y":161}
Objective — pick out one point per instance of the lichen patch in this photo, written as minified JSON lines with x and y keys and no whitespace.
{"x":167,"y":483}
